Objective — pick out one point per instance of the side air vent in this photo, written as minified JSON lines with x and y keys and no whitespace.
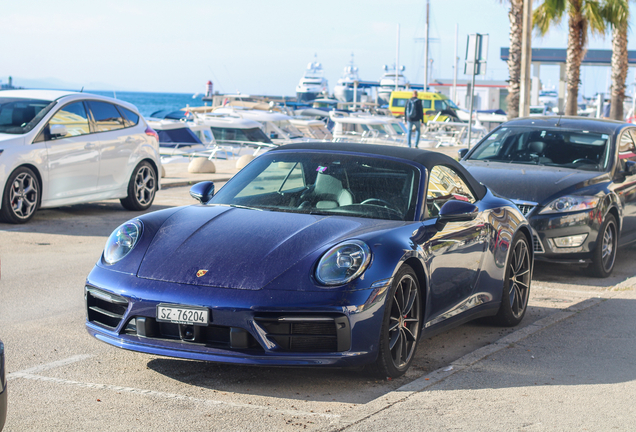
{"x":536,"y":244}
{"x":104,"y":308}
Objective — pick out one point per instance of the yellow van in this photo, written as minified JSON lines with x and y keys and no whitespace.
{"x":433,"y":103}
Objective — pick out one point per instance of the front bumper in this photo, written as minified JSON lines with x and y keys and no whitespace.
{"x":547,"y":227}
{"x":258,"y":327}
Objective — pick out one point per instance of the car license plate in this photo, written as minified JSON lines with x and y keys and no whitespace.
{"x":183,"y":314}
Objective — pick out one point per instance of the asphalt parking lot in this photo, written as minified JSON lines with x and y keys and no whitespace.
{"x":62,"y":379}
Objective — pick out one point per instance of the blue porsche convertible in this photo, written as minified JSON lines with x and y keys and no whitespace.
{"x":315,"y":254}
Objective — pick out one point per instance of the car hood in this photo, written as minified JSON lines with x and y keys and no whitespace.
{"x":241,"y":248}
{"x":11,"y":138}
{"x":529,"y":182}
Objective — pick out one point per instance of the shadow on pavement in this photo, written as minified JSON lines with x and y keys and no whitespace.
{"x":93,"y":219}
{"x":571,"y":273}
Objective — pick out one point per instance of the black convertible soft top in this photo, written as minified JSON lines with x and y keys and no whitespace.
{"x":423,"y":157}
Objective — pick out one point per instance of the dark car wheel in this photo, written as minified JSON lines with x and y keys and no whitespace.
{"x":141,"y":188}
{"x":517,"y":279}
{"x":401,"y":325}
{"x":21,"y":196}
{"x":604,"y":255}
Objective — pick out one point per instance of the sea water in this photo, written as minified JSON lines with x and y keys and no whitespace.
{"x":148,"y":103}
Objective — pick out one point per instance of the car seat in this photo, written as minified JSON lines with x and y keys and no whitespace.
{"x":328,"y":191}
{"x":536,"y":149}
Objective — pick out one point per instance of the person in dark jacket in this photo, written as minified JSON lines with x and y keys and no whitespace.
{"x":414,"y":114}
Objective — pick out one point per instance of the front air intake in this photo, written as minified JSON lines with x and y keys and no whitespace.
{"x":104,"y":308}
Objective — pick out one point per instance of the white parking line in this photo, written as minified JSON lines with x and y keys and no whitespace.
{"x":164,"y":395}
{"x":47,"y":366}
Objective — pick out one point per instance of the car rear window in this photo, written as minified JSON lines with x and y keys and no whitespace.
{"x":106,"y":116}
{"x":130,"y":118}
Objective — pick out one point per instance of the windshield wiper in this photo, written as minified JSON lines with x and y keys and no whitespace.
{"x":238,"y":206}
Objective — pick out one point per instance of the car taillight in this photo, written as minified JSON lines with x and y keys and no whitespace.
{"x":151,"y":132}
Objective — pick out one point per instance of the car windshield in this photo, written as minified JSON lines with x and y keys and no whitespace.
{"x":325,"y":184}
{"x":444,"y":104}
{"x":576,"y":149}
{"x":19,"y":116}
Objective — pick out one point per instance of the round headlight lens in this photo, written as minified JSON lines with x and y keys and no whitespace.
{"x":343,"y":263}
{"x":571,"y":203}
{"x":122,"y":241}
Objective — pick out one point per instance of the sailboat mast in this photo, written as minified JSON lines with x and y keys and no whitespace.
{"x":426,"y":49}
{"x":397,"y":57}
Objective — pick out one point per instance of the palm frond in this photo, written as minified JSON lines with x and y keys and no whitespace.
{"x":593,"y":16}
{"x":549,"y":12}
{"x":616,"y":13}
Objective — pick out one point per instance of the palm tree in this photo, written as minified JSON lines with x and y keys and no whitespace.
{"x":616,"y":13}
{"x":584,"y":16}
{"x":515,"y":14}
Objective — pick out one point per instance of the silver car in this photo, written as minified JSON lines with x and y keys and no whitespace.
{"x":60,"y":148}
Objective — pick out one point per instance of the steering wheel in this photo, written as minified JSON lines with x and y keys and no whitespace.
{"x":381,"y":202}
{"x":590,"y":161}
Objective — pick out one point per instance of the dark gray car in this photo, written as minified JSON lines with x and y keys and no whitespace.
{"x":574,"y":179}
{"x":3,"y":388}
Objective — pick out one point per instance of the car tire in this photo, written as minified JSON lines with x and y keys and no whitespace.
{"x":21,"y":197}
{"x":604,"y":255}
{"x":142,"y":188}
{"x":401,"y":325}
{"x":517,"y":281}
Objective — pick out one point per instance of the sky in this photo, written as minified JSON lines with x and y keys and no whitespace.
{"x":251,"y":46}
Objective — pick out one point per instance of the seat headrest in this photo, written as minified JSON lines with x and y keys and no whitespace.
{"x":327,"y":184}
{"x":536,"y":146}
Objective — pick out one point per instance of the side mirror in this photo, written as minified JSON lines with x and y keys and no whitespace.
{"x":462,"y":152}
{"x":202,"y":191}
{"x":456,"y":211}
{"x":630,"y":167}
{"x":57,"y":130}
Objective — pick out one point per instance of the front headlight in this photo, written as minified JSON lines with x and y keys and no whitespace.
{"x":571,"y":203}
{"x":343,"y":263}
{"x":122,"y":241}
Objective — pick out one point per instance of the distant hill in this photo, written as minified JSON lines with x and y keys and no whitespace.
{"x":57,"y":84}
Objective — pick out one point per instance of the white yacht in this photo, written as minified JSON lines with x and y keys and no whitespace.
{"x":313,"y":83}
{"x":387,"y":83}
{"x":343,"y":91}
{"x":275,"y":125}
{"x":221,"y":136}
{"x":368,"y":128}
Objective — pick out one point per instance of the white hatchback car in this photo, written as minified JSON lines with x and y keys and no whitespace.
{"x":60,"y":148}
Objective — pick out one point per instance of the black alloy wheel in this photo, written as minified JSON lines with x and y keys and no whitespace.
{"x":21,"y":196}
{"x":141,"y":188}
{"x":401,"y":326}
{"x":604,"y":255}
{"x":517,"y":280}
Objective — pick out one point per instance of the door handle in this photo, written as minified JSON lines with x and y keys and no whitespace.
{"x":90,"y":146}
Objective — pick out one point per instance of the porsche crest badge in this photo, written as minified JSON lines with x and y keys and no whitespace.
{"x":201,"y":273}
